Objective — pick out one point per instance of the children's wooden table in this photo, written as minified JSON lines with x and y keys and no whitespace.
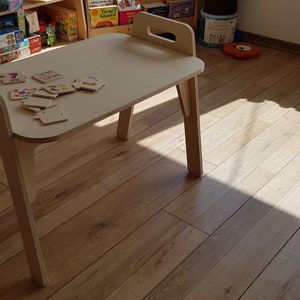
{"x":134,"y":68}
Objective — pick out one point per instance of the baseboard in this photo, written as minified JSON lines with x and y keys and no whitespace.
{"x":270,"y":42}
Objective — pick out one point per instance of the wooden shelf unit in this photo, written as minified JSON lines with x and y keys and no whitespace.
{"x":91,"y":32}
{"x":72,"y":4}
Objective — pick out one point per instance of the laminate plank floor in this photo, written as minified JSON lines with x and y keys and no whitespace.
{"x":123,"y":219}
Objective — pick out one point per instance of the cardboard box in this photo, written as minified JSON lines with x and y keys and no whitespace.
{"x":181,"y":9}
{"x":104,"y":16}
{"x":11,"y":36}
{"x":7,"y":20}
{"x":4,"y":58}
{"x":24,"y":52}
{"x":10,"y":5}
{"x":65,"y":21}
{"x":34,"y":40}
{"x":20,"y":17}
{"x":35,"y":49}
{"x":127,"y":10}
{"x":32,"y":19}
{"x":158,"y":8}
{"x":127,"y":16}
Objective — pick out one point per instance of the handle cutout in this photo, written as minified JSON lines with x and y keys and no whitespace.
{"x":167,"y":36}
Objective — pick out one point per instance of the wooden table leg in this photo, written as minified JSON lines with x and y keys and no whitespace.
{"x":18,"y":160}
{"x":124,"y":123}
{"x":188,"y":96}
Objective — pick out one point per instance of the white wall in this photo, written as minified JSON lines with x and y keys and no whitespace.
{"x":278,"y":19}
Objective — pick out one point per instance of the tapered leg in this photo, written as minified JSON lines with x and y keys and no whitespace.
{"x":188,"y":96}
{"x":18,"y":160}
{"x":124,"y":123}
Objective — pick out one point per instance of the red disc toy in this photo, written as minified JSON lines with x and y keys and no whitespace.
{"x":241,"y":50}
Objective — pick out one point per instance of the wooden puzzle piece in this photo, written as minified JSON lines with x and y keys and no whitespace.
{"x":47,"y":76}
{"x":90,"y":83}
{"x":21,"y":93}
{"x":51,"y":115}
{"x":39,"y":102}
{"x":44,"y":93}
{"x":60,"y":88}
{"x":13,"y":77}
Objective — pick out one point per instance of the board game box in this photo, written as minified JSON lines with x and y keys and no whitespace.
{"x":65,"y":21}
{"x":104,"y":16}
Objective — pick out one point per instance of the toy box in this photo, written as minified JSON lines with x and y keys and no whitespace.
{"x":10,"y":5}
{"x":4,"y":58}
{"x":99,"y":3}
{"x":127,"y":10}
{"x":20,"y":19}
{"x":11,"y":36}
{"x":181,"y":9}
{"x":30,"y":45}
{"x":9,"y":49}
{"x":127,"y":16}
{"x":158,"y":8}
{"x":7,"y":20}
{"x":104,"y":16}
{"x":34,"y":40}
{"x":65,"y":21}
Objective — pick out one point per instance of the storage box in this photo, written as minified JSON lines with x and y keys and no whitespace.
{"x":65,"y":21}
{"x":181,"y":9}
{"x":10,"y":36}
{"x":104,"y":16}
{"x":215,"y":31}
{"x":158,"y":8}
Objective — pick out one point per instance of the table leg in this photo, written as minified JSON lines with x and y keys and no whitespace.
{"x":188,"y":96}
{"x":18,"y":160}
{"x":124,"y":122}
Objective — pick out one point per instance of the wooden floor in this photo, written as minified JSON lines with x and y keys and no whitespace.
{"x":123,"y":220}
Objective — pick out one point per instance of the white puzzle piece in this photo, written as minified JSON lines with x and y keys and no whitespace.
{"x":47,"y":76}
{"x":51,"y":115}
{"x":90,"y":83}
{"x":44,"y":93}
{"x":13,"y":77}
{"x":21,"y":93}
{"x":60,"y":88}
{"x":39,"y":102}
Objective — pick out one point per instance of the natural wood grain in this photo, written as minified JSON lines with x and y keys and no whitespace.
{"x":199,"y":264}
{"x":143,"y":255}
{"x":107,"y":211}
{"x":282,"y":275}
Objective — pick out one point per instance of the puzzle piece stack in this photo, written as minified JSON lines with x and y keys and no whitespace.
{"x":42,"y":100}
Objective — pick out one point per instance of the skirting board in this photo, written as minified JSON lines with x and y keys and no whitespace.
{"x":271,"y":42}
